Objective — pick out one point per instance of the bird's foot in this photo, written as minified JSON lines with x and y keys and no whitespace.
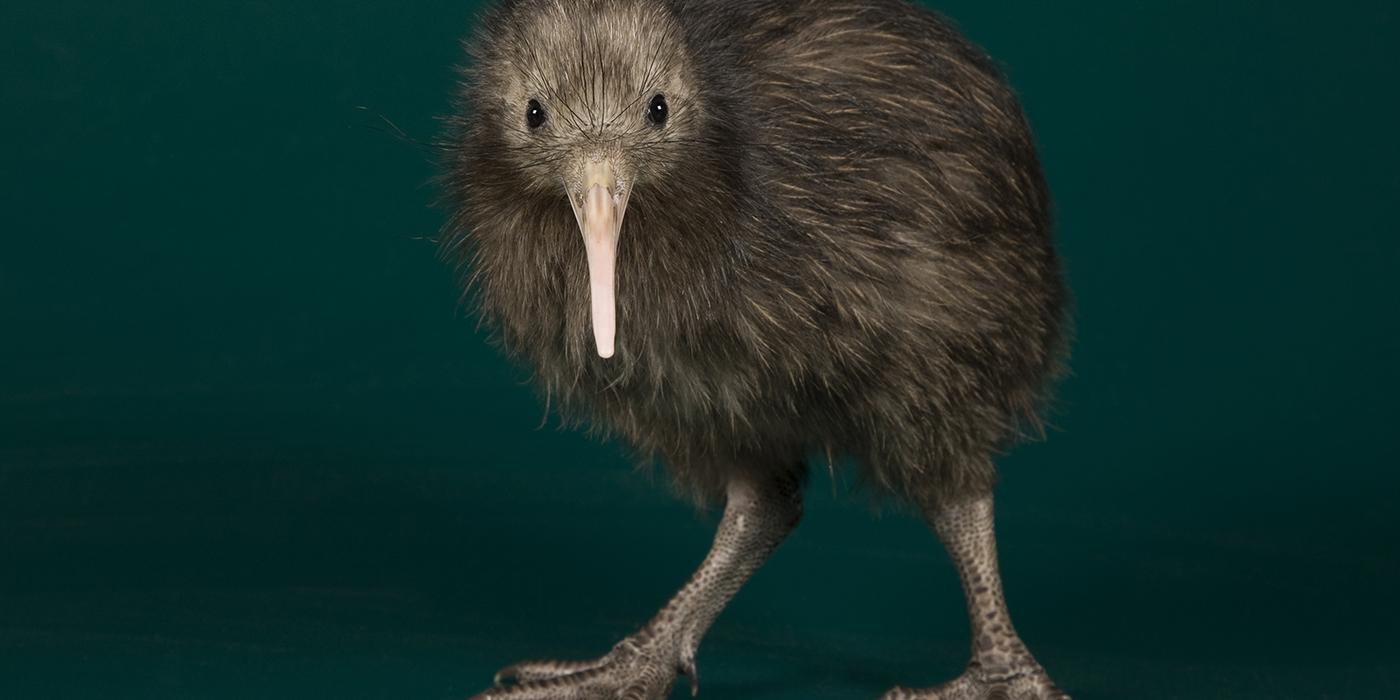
{"x":638,"y":668}
{"x":977,"y":684}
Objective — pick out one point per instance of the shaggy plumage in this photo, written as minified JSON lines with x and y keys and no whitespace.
{"x":838,"y":241}
{"x":840,"y":245}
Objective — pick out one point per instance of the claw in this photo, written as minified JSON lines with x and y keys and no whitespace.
{"x":509,"y":674}
{"x":688,"y":668}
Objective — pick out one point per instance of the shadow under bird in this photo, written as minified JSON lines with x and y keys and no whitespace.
{"x":737,"y":234}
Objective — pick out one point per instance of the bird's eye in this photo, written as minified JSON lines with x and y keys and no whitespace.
{"x":534,"y":115}
{"x":657,"y":110}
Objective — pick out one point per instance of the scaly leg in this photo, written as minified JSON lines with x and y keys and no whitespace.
{"x":1001,"y":667}
{"x":757,"y":517}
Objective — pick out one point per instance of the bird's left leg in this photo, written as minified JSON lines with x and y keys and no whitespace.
{"x":758,"y":515}
{"x":1001,"y":667}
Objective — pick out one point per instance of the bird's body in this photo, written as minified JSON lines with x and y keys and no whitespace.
{"x":837,"y":236}
{"x":879,"y":280}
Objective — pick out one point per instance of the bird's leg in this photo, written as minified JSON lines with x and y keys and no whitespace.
{"x":1001,"y":667}
{"x":644,"y":666}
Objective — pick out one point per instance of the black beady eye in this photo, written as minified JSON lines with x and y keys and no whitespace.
{"x":657,"y":111}
{"x":534,"y":115}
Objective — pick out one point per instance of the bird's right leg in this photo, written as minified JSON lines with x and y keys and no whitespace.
{"x":644,"y":666}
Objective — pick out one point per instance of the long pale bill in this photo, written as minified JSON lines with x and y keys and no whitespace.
{"x":600,"y":230}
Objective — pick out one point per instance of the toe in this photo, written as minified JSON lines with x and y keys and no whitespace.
{"x":544,"y":669}
{"x":898,"y":693}
{"x":649,"y":690}
{"x":576,"y":686}
{"x":1034,"y":687}
{"x":630,"y":670}
{"x":966,"y":687}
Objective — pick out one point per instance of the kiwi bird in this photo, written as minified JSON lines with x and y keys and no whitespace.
{"x":740,"y":234}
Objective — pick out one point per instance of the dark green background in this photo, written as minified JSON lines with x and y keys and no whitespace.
{"x":251,"y":446}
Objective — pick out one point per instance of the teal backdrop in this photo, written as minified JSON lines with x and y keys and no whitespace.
{"x":252,"y":446}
